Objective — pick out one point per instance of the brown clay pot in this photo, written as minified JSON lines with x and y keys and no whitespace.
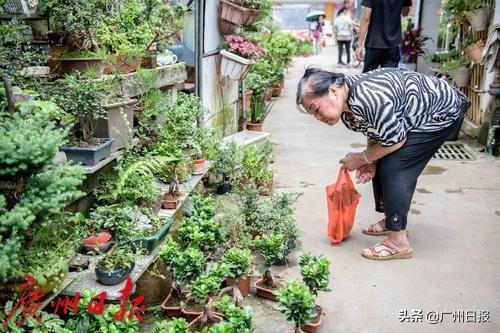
{"x":313,"y":326}
{"x":282,"y":83}
{"x":269,"y":95}
{"x":195,"y":325}
{"x":257,"y":127}
{"x":168,"y":203}
{"x":276,"y":91}
{"x":171,"y":311}
{"x":475,"y":52}
{"x":242,"y":284}
{"x":265,"y":292}
{"x":248,"y":99}
{"x":198,"y":167}
{"x":192,"y":315}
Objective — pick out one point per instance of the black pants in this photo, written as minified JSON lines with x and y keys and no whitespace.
{"x":381,"y":57}
{"x":347,"y":45}
{"x":396,"y":174}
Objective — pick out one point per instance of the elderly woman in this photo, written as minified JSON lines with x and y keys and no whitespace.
{"x":406,"y":116}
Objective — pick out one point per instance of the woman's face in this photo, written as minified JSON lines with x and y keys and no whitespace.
{"x":327,"y":108}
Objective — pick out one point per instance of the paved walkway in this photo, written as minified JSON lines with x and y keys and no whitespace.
{"x":454,"y":223}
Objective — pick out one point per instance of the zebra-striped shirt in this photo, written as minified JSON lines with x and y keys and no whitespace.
{"x":388,"y":103}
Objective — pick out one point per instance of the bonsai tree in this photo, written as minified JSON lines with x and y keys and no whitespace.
{"x":239,"y":264}
{"x":119,"y":257}
{"x":201,"y":233}
{"x":413,"y":45}
{"x":225,"y":161}
{"x":279,"y":214}
{"x":272,"y":249}
{"x":240,"y":319}
{"x":202,"y":288}
{"x":233,"y":229}
{"x":297,"y":303}
{"x":203,"y":206}
{"x":254,"y":167}
{"x":251,"y":208}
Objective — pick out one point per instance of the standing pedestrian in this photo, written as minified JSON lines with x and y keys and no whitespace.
{"x":343,"y":31}
{"x":381,"y":25}
{"x":318,"y":34}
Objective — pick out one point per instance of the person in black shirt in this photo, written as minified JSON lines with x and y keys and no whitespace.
{"x":381,"y":24}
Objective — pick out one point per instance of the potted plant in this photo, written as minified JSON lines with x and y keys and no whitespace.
{"x":175,"y":325}
{"x":279,"y":214}
{"x":474,"y":49}
{"x":413,"y":46}
{"x":458,"y":70}
{"x":198,"y":307}
{"x":171,"y":199}
{"x":239,"y":12}
{"x":238,"y":55}
{"x":224,"y":166}
{"x":259,"y":108}
{"x":80,"y":96}
{"x":202,"y":233}
{"x":239,"y":318}
{"x":315,"y":271}
{"x":272,"y":249}
{"x":297,"y":304}
{"x":185,"y":266}
{"x":478,"y":14}
{"x":116,"y":265}
{"x":239,"y":264}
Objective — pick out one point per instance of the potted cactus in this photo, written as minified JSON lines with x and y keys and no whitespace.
{"x":297,"y":304}
{"x":315,"y":271}
{"x":273,"y":249}
{"x":239,"y":264}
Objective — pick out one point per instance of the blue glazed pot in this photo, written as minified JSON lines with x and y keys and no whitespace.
{"x":88,"y":156}
{"x":115,"y":277}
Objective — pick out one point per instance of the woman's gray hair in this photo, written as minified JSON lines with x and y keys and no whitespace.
{"x":316,"y":83}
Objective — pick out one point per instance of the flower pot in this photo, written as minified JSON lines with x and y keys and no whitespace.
{"x":54,"y":53}
{"x":265,"y":292}
{"x":99,"y":243}
{"x":198,"y":167}
{"x":248,"y":99}
{"x":461,"y":76}
{"x":126,"y":65}
{"x":170,"y":202}
{"x":269,"y":95}
{"x":226,"y":28}
{"x":119,"y":124}
{"x":70,"y":65}
{"x":475,"y":52}
{"x":224,"y":188}
{"x":149,"y":61}
{"x":115,"y":277}
{"x":89,"y":155}
{"x":196,"y":326}
{"x":234,"y":66}
{"x":282,"y":83}
{"x":315,"y":323}
{"x":237,"y":15}
{"x":191,"y":315}
{"x":411,"y":66}
{"x":242,"y":284}
{"x":276,"y":91}
{"x":478,"y":19}
{"x":149,"y":243}
{"x":171,"y":311}
{"x":257,"y":127}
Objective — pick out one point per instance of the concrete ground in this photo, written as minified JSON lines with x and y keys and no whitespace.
{"x":454,"y":230}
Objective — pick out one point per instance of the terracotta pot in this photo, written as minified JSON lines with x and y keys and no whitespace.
{"x":257,"y":127}
{"x":170,"y":203}
{"x":198,"y":167}
{"x":248,"y":99}
{"x":313,"y":326}
{"x":276,"y":91}
{"x":269,"y":95}
{"x":242,"y":284}
{"x":475,"y":52}
{"x":265,"y":292}
{"x":192,"y":315}
{"x":194,"y":325}
{"x":171,"y":311}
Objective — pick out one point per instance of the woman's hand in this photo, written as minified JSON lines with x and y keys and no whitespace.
{"x":352,"y":161}
{"x":365,"y":173}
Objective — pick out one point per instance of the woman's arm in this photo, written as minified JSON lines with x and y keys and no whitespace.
{"x":375,"y":151}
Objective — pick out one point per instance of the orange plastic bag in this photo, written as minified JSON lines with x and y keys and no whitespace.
{"x":323,"y":43}
{"x":342,"y":199}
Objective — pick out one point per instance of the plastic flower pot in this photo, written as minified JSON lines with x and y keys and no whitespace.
{"x":257,"y":127}
{"x":149,"y":243}
{"x":198,"y":167}
{"x":475,"y":52}
{"x":224,"y":188}
{"x":89,"y":155}
{"x":234,"y":66}
{"x":196,"y":325}
{"x":171,"y":310}
{"x":119,"y":123}
{"x":315,"y":323}
{"x":237,"y":15}
{"x":99,"y":243}
{"x":191,"y":314}
{"x":226,"y":27}
{"x":169,"y":202}
{"x":70,"y":65}
{"x":242,"y":284}
{"x":265,"y":292}
{"x":478,"y":19}
{"x":115,"y":277}
{"x":461,"y":76}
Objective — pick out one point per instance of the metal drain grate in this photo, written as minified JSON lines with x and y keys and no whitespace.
{"x":453,"y":151}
